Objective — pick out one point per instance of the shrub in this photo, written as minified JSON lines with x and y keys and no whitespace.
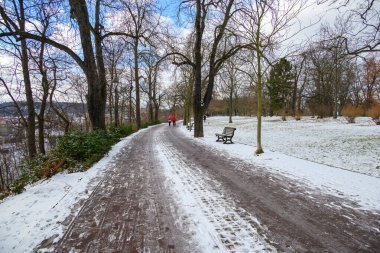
{"x":322,"y":111}
{"x":42,"y":166}
{"x":374,"y":111}
{"x":150,"y":123}
{"x":19,"y":185}
{"x":4,"y":194}
{"x":86,"y":148}
{"x":121,"y":130}
{"x":75,"y":151}
{"x":283,"y":113}
{"x":351,"y":112}
{"x":297,"y":116}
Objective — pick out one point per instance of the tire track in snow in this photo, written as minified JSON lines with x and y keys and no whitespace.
{"x":213,"y":220}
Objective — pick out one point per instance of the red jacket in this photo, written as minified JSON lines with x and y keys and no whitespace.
{"x":174,"y":118}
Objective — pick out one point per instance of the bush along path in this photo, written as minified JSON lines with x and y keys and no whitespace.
{"x":75,"y":151}
{"x":165,"y":193}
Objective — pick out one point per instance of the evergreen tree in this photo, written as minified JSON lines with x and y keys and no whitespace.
{"x":279,"y":86}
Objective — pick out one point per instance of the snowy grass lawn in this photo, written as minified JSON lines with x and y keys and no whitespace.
{"x":354,"y":147}
{"x":323,"y":154}
{"x":36,"y":214}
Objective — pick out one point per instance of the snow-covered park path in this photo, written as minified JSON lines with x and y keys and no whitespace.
{"x":164,"y":192}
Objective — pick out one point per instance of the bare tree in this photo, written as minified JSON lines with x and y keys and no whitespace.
{"x":20,"y":20}
{"x":220,"y":12}
{"x":230,"y":80}
{"x":40,"y":58}
{"x":361,"y":25}
{"x":151,"y":76}
{"x":188,"y":88}
{"x":91,"y":37}
{"x":139,"y":25}
{"x":299,"y":84}
{"x":264,"y":24}
{"x":115,"y":50}
{"x":332,"y":73}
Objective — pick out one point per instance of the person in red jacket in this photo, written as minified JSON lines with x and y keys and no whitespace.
{"x":174,"y":119}
{"x":170,"y":120}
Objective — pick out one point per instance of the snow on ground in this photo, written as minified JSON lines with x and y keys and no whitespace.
{"x":324,"y":154}
{"x":308,"y":151}
{"x":36,"y":214}
{"x":354,"y":147}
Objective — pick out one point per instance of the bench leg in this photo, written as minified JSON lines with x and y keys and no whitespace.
{"x":227,"y":139}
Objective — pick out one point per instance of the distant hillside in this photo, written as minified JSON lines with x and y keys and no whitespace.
{"x":8,"y":109}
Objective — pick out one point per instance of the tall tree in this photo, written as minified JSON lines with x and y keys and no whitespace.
{"x":213,"y":59}
{"x":17,"y":11}
{"x":91,"y":43}
{"x":279,"y":86}
{"x":299,"y":84}
{"x":114,"y":51}
{"x":265,"y":24}
{"x":331,"y":72}
{"x":45,"y":17}
{"x":141,"y":23}
{"x":151,"y":76}
{"x":230,"y":82}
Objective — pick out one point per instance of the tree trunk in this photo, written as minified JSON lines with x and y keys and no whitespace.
{"x":230,"y":105}
{"x":41,"y":135}
{"x":117,"y":122}
{"x":3,"y":185}
{"x":130,"y":105}
{"x":156,"y":109}
{"x":197,"y":73}
{"x":41,"y":115}
{"x":45,"y":95}
{"x":101,"y":87}
{"x":188,"y":99}
{"x":259,"y":149}
{"x":150,"y":96}
{"x":294,"y":98}
{"x":137,"y":85}
{"x":31,"y":128}
{"x":96,"y":97}
{"x":110,"y":94}
{"x":155,"y":104}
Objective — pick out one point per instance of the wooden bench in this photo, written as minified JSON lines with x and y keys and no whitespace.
{"x":190,"y":126}
{"x":226,"y":136}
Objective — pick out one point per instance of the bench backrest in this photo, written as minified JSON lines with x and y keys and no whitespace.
{"x":229,"y":131}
